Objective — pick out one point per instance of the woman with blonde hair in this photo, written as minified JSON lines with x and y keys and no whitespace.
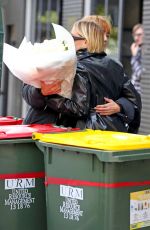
{"x":102,"y":21}
{"x":105,"y":23}
{"x":97,"y":77}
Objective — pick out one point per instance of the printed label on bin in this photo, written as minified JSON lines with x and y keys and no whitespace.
{"x":19,"y":196}
{"x":139,"y":209}
{"x":71,"y":206}
{"x":19,"y":183}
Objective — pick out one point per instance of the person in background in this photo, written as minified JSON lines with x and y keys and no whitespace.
{"x":136,"y":52}
{"x":98,"y":79}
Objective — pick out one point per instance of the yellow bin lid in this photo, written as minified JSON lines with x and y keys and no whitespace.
{"x":97,"y":139}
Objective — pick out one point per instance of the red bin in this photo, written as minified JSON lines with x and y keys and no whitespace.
{"x":10,"y":120}
{"x":25,"y":131}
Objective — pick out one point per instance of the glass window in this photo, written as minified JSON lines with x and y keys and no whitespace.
{"x":47,"y":11}
{"x":111,"y":9}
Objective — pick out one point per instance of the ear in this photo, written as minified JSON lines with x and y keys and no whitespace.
{"x":84,"y":43}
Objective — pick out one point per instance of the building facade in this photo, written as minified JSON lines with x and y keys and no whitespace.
{"x":145,"y":120}
{"x":32,"y":18}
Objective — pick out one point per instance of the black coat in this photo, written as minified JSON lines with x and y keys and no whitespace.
{"x":97,"y":76}
{"x":39,"y":112}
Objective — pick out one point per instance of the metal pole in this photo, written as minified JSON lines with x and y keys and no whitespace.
{"x":30,"y":18}
{"x":49,"y":8}
{"x":106,"y":7}
{"x":87,"y":7}
{"x":60,"y":11}
{"x":4,"y":71}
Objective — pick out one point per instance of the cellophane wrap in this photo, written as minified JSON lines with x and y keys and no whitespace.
{"x":48,"y":61}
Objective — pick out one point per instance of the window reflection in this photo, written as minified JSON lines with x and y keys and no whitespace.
{"x":109,"y":8}
{"x":47,"y":12}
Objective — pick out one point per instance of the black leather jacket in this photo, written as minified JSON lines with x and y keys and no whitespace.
{"x":97,"y":76}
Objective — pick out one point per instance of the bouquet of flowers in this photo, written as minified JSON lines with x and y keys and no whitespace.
{"x":50,"y":65}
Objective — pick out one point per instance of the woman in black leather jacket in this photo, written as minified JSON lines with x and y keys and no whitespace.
{"x":98,"y":79}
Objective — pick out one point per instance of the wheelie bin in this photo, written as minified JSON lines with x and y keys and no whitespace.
{"x":96,"y":180}
{"x":22,"y":173}
{"x":22,"y":191}
{"x":10,"y":120}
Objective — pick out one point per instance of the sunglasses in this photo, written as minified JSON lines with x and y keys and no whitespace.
{"x":137,"y":35}
{"x":77,"y":38}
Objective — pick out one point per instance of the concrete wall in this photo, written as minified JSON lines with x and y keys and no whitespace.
{"x":14,"y":20}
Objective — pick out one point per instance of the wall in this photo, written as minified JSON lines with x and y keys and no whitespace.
{"x":71,"y":11}
{"x":130,"y":18}
{"x":14,"y":18}
{"x":145,"y":81}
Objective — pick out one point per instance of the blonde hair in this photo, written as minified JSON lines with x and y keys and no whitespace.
{"x":93,"y":34}
{"x":103,"y":21}
{"x":136,"y":27}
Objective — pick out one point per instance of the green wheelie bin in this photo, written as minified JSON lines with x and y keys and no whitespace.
{"x":96,"y":180}
{"x":22,"y":177}
{"x":22,"y":189}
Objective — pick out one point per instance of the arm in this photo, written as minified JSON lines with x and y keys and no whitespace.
{"x":129,"y":92}
{"x":33,"y":96}
{"x":129,"y":103}
{"x":78,"y":105}
{"x":109,"y":108}
{"x":122,"y":105}
{"x":136,"y":64}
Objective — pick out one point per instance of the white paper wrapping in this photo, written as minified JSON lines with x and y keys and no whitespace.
{"x":47,"y":61}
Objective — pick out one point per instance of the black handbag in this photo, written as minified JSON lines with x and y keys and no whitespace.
{"x":116,"y":122}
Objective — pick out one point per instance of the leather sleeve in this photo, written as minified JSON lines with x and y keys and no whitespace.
{"x":33,"y":96}
{"x":79,"y":104}
{"x":130,"y":93}
{"x":127,"y":108}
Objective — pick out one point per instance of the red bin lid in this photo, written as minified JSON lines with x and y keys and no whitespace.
{"x":24,"y":131}
{"x":10,"y":120}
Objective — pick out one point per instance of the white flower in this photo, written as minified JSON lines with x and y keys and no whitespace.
{"x":48,"y":61}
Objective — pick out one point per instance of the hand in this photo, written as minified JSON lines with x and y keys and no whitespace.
{"x":134,"y":49}
{"x":53,"y":88}
{"x":109,"y":108}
